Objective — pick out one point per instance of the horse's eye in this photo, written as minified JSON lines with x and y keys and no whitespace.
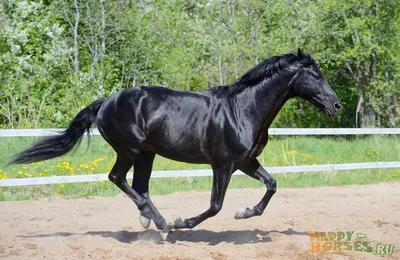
{"x":317,"y":76}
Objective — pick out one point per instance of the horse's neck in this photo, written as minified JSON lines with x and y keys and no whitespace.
{"x":259,"y":107}
{"x":262,"y":103}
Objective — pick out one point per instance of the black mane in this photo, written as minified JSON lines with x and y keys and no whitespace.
{"x":265,"y":69}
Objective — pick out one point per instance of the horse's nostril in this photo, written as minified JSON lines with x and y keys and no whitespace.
{"x":337,"y":106}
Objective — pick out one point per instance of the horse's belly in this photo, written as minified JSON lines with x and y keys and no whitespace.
{"x":188,"y":158}
{"x":186,"y":149}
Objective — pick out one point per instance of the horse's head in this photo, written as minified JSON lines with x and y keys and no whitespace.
{"x":309,"y":84}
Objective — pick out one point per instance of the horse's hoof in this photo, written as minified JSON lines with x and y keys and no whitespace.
{"x":173,"y":223}
{"x":144,"y":221}
{"x":164,"y":235}
{"x":241,"y":213}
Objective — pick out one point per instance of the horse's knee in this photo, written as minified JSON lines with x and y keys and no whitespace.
{"x":271,"y":186}
{"x":214,"y":209}
{"x":114,"y":179}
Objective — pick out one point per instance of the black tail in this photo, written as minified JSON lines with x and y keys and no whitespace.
{"x":55,"y":146}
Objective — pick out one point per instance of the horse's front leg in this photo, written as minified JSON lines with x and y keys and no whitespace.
{"x":256,"y":171}
{"x":221,"y":178}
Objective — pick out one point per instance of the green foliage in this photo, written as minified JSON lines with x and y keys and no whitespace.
{"x":55,"y":59}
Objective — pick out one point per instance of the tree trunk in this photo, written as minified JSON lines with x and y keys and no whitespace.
{"x":221,"y":82}
{"x":368,"y":115}
{"x":103,"y":47}
{"x":76,"y":44}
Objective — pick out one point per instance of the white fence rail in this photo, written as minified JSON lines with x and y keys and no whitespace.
{"x":328,"y":168}
{"x":193,"y":173}
{"x":272,"y":131}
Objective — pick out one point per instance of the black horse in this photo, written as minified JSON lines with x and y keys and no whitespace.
{"x":225,"y":126}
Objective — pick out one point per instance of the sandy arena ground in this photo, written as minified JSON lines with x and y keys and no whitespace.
{"x":108,"y":228}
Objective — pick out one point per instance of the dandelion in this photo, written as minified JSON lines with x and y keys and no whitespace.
{"x":23,"y":167}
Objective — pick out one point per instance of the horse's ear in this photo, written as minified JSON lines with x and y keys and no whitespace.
{"x":300,"y":53}
{"x":308,"y":54}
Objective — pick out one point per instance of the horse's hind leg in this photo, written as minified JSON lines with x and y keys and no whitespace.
{"x":142,"y":171}
{"x":256,"y":171}
{"x":118,"y":177}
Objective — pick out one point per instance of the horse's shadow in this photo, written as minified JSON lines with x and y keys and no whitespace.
{"x":237,"y":237}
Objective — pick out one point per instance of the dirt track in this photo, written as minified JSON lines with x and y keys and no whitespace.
{"x":108,"y":228}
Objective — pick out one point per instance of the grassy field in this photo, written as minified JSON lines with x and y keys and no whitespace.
{"x":280,"y":151}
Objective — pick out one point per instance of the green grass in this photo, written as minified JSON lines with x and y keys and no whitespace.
{"x":280,"y":151}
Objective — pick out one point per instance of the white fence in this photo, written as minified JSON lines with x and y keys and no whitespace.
{"x":192,"y":173}
{"x":329,"y":168}
{"x":271,"y":131}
